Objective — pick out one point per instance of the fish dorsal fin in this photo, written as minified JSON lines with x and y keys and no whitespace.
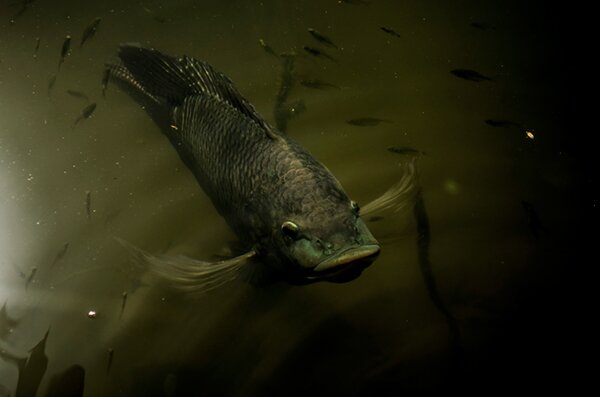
{"x":174,"y":79}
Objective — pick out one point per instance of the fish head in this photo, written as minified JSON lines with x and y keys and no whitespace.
{"x":328,"y":244}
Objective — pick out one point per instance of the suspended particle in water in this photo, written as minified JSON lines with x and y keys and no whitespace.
{"x":529,"y":134}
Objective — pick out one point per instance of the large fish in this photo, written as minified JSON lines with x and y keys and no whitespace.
{"x":281,"y":202}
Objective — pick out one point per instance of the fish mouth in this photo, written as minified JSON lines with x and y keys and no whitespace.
{"x":347,"y":265}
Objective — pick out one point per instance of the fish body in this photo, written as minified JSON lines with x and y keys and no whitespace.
{"x":61,"y":254}
{"x":90,"y":31}
{"x":65,"y":49}
{"x":88,"y":204}
{"x":105,"y":79}
{"x":85,"y":114}
{"x":321,"y":38}
{"x":268,"y":49}
{"x":78,"y":95}
{"x":37,"y":47}
{"x":318,"y":53}
{"x":470,"y":75}
{"x":51,"y":84}
{"x":405,"y":151}
{"x":277,"y":198}
{"x":319,"y":85}
{"x":31,"y":276}
{"x":390,"y":31}
{"x":367,"y":121}
{"x":355,"y":2}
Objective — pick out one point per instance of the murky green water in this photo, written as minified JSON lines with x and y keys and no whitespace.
{"x":486,"y":312}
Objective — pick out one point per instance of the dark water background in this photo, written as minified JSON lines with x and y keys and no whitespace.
{"x":497,"y":306}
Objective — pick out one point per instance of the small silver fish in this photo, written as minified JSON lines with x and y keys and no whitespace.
{"x":65,"y":50}
{"x":267,"y":48}
{"x":367,"y":122}
{"x":105,"y":79}
{"x":88,"y":203}
{"x":60,"y":254}
{"x":390,"y":31}
{"x":470,"y":75}
{"x":90,"y":31}
{"x":319,"y":85}
{"x":85,"y":113}
{"x":37,"y":47}
{"x":123,"y":303}
{"x":30,"y":278}
{"x":321,"y":38}
{"x":405,"y":151}
{"x":110,"y":352}
{"x":51,"y":83}
{"x":78,"y":94}
{"x":319,"y":54}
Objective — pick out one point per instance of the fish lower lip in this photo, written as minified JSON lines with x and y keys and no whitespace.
{"x":348,"y":256}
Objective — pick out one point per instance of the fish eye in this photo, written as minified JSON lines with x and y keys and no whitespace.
{"x":290,"y":229}
{"x":355,"y":207}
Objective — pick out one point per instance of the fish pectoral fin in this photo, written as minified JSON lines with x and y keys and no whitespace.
{"x":394,"y":203}
{"x":189,"y":275}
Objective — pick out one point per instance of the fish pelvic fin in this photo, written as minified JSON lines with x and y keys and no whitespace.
{"x":399,"y":196}
{"x":191,"y":276}
{"x":175,"y":78}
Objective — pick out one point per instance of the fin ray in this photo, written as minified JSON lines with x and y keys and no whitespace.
{"x":174,"y":79}
{"x":187,"y":274}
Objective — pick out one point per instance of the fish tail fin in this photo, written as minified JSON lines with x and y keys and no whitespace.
{"x":188,"y":275}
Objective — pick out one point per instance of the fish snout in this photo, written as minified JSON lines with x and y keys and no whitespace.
{"x":346,"y":265}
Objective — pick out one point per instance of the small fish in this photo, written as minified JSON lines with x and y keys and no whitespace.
{"x":322,"y":38}
{"x":78,"y":94}
{"x":30,"y":278}
{"x":390,"y":31}
{"x":61,"y":254}
{"x":375,"y":218}
{"x":51,"y":83}
{"x":367,"y":122}
{"x":64,"y":51}
{"x":111,"y":353}
{"x":405,"y":150}
{"x":502,"y":123}
{"x":123,"y":303}
{"x":88,"y":203}
{"x":318,"y":53}
{"x":355,"y":2}
{"x":470,"y":75}
{"x":24,"y":7}
{"x":105,"y":79}
{"x":85,"y":113}
{"x":90,"y":31}
{"x":267,"y":48}
{"x":319,"y":85}
{"x":37,"y":47}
